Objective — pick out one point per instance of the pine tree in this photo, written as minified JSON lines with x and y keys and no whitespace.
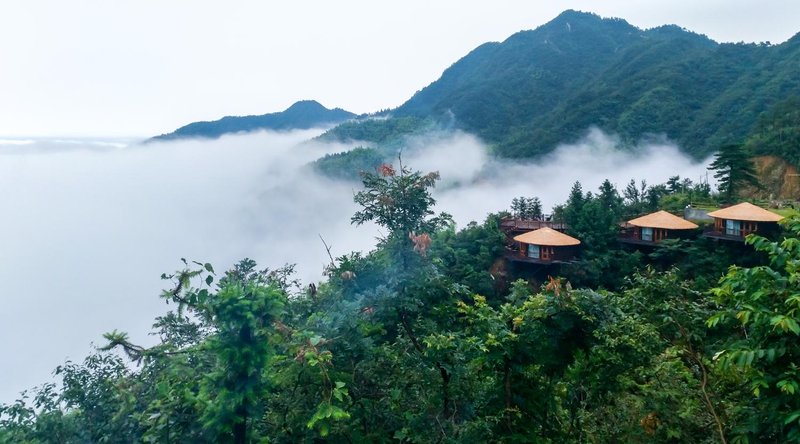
{"x":535,"y":208}
{"x":733,"y":169}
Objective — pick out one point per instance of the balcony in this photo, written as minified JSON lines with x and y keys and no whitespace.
{"x":630,"y":235}
{"x":713,"y":233}
{"x":515,"y":256}
{"x":511,"y":224}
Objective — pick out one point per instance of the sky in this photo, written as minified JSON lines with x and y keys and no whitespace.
{"x":137,"y":68}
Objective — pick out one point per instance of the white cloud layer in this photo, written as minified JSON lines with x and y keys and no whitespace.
{"x":473,"y":184}
{"x":89,"y":226}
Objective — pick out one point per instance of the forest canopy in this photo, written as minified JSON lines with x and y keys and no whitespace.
{"x":434,"y":337}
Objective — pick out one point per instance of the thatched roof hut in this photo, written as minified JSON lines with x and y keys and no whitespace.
{"x":547,"y":236}
{"x":738,"y":221}
{"x":545,"y":246}
{"x":664,"y":220}
{"x":652,"y":228}
{"x":746,"y":211}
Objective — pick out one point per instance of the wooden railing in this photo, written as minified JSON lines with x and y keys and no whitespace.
{"x":513,"y":224}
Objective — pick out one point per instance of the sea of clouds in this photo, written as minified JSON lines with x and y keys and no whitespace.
{"x":89,"y":225}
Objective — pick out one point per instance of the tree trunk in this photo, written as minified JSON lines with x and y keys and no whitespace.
{"x":507,"y":389}
{"x":240,"y":426}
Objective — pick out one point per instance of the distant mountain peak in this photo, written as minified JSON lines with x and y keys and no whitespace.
{"x":303,"y":114}
{"x":572,"y":14}
{"x":569,"y":18}
{"x":306,"y":105}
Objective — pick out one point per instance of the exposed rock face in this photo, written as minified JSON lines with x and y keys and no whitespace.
{"x":779,"y":178}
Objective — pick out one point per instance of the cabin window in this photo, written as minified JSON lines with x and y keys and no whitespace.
{"x":533,"y":251}
{"x":733,"y":228}
{"x":647,"y":234}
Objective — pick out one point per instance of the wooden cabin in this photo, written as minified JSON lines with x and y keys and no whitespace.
{"x":736,"y":222}
{"x":652,"y":228}
{"x":544,"y":246}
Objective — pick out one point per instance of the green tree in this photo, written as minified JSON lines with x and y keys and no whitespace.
{"x":243,"y":344}
{"x":733,"y":169}
{"x":634,"y":197}
{"x":529,"y":208}
{"x":759,"y":308}
{"x":399,"y":201}
{"x":574,"y":203}
{"x":594,"y":219}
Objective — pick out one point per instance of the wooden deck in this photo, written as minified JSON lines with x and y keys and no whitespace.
{"x":511,"y":224}
{"x":636,"y":241}
{"x":713,"y":234}
{"x":514,"y":256}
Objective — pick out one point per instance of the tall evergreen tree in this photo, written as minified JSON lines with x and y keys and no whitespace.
{"x":575,"y":202}
{"x":535,"y":208}
{"x":733,"y":169}
{"x":527,"y":208}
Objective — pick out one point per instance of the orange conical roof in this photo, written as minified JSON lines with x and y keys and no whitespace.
{"x":662,"y":219}
{"x":746,"y":211}
{"x":548,"y":237}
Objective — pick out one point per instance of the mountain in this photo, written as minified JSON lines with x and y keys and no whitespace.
{"x":777,"y":132}
{"x":547,"y":86}
{"x":301,"y":115}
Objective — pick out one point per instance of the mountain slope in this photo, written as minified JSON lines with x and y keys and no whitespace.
{"x":503,"y":85}
{"x":543,"y":87}
{"x":301,"y":115}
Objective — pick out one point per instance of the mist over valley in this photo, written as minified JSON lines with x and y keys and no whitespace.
{"x":92,"y":224}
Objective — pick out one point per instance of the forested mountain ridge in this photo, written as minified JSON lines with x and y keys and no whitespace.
{"x":546,"y":86}
{"x":301,"y":115}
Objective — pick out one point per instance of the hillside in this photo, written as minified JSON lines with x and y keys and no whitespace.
{"x":779,"y":179}
{"x":301,"y":115}
{"x":777,"y":132}
{"x":542,"y":87}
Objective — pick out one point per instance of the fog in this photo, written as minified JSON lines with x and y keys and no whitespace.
{"x":474,"y":184}
{"x":90,"y":225}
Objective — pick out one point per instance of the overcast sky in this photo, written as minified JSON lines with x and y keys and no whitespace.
{"x":144,"y":67}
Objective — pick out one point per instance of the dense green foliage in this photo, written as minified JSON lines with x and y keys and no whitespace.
{"x":433,"y":337}
{"x":777,"y":132}
{"x":304,"y":114}
{"x":386,"y":138}
{"x":382,"y":131}
{"x":527,"y":208}
{"x":349,"y":165}
{"x":761,"y":313}
{"x":547,"y":86}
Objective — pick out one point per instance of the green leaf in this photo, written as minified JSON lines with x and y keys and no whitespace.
{"x":787,"y":386}
{"x":792,"y":417}
{"x":792,"y":325}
